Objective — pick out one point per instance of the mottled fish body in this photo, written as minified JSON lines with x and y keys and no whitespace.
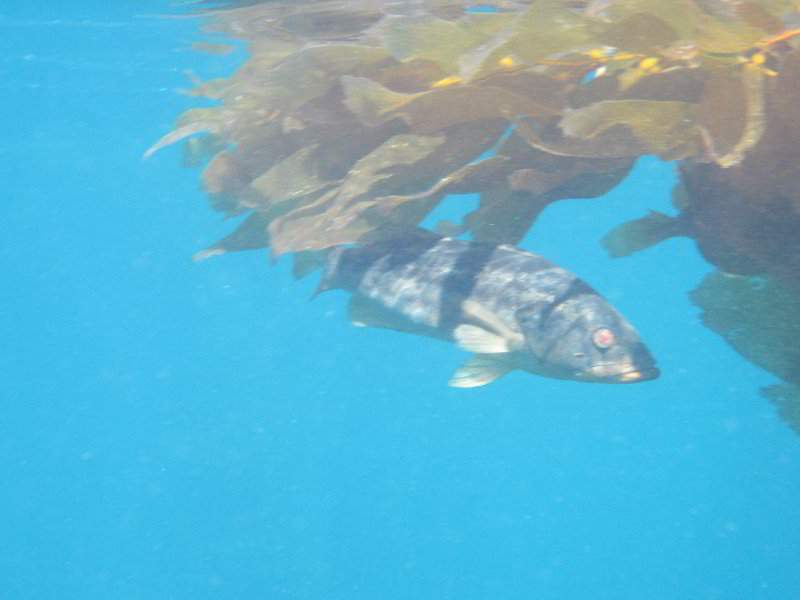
{"x":511,"y":308}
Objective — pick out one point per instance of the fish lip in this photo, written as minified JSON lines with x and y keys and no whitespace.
{"x":636,"y":375}
{"x":624,"y":373}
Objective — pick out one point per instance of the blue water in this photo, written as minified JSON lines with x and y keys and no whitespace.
{"x":181,"y":430}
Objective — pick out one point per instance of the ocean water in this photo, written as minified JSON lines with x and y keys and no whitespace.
{"x":180,"y":430}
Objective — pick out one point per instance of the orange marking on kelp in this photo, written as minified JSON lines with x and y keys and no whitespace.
{"x":785,"y":35}
{"x":451,"y":80}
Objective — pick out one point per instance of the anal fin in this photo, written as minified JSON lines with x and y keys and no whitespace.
{"x":478,"y":370}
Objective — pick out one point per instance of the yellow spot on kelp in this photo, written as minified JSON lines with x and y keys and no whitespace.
{"x":649,"y":63}
{"x":506,"y":61}
{"x":451,"y":80}
{"x":759,"y":59}
{"x":784,"y":35}
{"x":597,"y":53}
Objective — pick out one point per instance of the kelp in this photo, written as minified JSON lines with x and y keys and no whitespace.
{"x":328,"y":85}
{"x":659,"y":126}
{"x":374,"y":104}
{"x":786,"y":398}
{"x":350,"y":115}
{"x":759,"y":317}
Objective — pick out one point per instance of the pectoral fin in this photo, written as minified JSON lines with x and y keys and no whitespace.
{"x":477,"y":339}
{"x":514,"y":340}
{"x":478,"y":370}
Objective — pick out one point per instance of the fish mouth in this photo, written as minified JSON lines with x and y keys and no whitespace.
{"x":636,"y":375}
{"x":624,"y":373}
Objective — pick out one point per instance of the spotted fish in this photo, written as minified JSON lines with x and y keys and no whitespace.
{"x":510,"y":308}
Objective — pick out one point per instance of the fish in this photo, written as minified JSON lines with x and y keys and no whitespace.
{"x":513,"y":310}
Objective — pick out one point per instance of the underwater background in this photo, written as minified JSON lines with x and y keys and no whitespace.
{"x":174,"y":429}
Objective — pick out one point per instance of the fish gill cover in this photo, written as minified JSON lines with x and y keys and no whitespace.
{"x":349,"y":115}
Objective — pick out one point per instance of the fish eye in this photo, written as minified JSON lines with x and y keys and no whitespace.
{"x":603,"y":338}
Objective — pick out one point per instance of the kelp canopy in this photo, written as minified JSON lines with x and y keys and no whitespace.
{"x":348,"y":115}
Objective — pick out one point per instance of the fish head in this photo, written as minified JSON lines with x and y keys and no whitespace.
{"x":584,"y":338}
